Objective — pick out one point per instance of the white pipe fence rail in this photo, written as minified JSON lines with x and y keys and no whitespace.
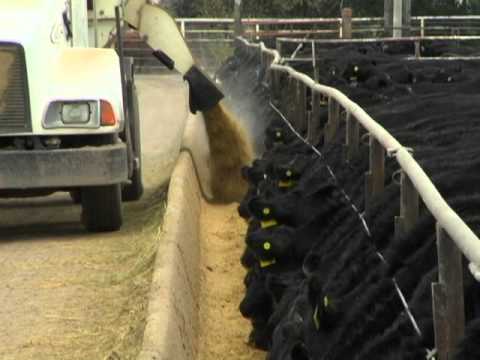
{"x":416,"y":40}
{"x":454,"y":237}
{"x":260,"y":28}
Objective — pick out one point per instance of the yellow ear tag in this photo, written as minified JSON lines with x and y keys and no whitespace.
{"x":266,"y":211}
{"x":268,"y":224}
{"x":326,"y":301}
{"x":286,"y":184}
{"x":267,"y":246}
{"x":288,"y":173}
{"x":315,"y":318}
{"x":267,"y":263}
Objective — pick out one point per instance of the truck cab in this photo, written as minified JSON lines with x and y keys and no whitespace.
{"x":68,"y":112}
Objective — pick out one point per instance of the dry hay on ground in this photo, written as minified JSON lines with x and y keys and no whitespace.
{"x":130,"y":280}
{"x":91,"y":292}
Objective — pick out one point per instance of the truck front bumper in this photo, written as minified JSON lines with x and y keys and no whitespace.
{"x":63,"y":168}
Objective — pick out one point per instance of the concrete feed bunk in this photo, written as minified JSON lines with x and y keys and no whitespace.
{"x":196,"y":284}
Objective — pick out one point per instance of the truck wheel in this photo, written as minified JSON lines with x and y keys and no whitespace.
{"x":134,"y":190}
{"x":76,"y":196}
{"x":102,"y":208}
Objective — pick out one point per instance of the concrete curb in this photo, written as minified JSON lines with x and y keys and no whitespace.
{"x":172,"y":320}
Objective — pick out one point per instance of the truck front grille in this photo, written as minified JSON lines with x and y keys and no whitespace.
{"x":14,"y":99}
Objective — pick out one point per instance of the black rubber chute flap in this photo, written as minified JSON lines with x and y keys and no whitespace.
{"x":164,"y":59}
{"x":204,"y":94}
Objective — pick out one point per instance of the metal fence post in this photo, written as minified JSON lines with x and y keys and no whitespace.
{"x":418,"y":51}
{"x":301,"y":105}
{"x":388,"y":17}
{"x":237,"y":11}
{"x":398,"y":18}
{"x":278,"y":46}
{"x":407,"y":17}
{"x":316,"y":74}
{"x":275,"y":86}
{"x":409,"y":206}
{"x":347,"y":14}
{"x":352,"y":137}
{"x":268,"y":74}
{"x":333,"y":120}
{"x":448,"y":296}
{"x":267,"y":77}
{"x":375,"y":177}
{"x":288,"y":104}
{"x":314,"y":128}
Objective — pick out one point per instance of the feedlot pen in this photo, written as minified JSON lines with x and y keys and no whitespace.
{"x":300,"y":102}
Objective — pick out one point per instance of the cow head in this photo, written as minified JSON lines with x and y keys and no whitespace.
{"x":257,"y":301}
{"x":273,"y":211}
{"x":326,"y":314}
{"x":256,"y":173}
{"x":271,"y":243}
{"x":288,"y":173}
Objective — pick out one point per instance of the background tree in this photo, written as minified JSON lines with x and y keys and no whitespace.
{"x":319,"y":8}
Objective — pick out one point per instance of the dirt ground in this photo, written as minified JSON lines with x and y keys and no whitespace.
{"x":66,"y":294}
{"x":223,"y":330}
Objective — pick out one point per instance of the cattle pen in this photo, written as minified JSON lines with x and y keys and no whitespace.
{"x":454,"y":237}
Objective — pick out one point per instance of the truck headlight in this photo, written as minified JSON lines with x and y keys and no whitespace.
{"x":73,"y":114}
{"x":76,"y":113}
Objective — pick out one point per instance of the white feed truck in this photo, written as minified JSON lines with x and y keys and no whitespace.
{"x":68,"y":110}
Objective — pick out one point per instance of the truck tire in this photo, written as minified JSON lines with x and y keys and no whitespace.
{"x":102,"y":208}
{"x":134,"y":190}
{"x":76,"y":196}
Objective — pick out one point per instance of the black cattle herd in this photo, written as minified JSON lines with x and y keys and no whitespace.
{"x":326,"y":276}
